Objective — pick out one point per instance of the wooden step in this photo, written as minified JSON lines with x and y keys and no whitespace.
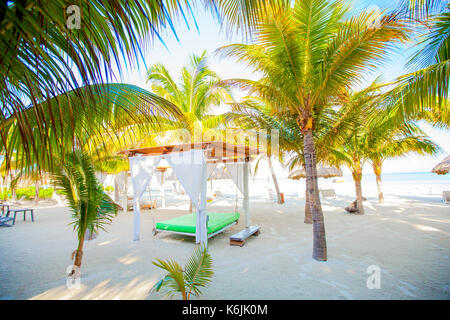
{"x":238,"y":239}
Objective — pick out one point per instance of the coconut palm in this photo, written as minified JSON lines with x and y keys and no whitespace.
{"x":255,"y":112}
{"x":198,"y":89}
{"x":92,"y":209}
{"x":424,"y":91}
{"x":188,"y":281}
{"x":391,"y":140}
{"x":307,"y":55}
{"x":252,"y":113}
{"x":376,"y":135}
{"x":61,"y":51}
{"x":113,"y":107}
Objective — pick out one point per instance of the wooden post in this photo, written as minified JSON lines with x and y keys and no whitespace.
{"x":246,"y":202}
{"x":201,"y":235}
{"x":163,"y":192}
{"x":116,"y":190}
{"x":274,"y":179}
{"x":137,"y":219}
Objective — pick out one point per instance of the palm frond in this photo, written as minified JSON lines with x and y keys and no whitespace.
{"x":198,"y":271}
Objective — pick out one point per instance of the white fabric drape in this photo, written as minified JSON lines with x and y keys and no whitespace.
{"x":142,"y":169}
{"x":188,"y":166}
{"x":210,"y":168}
{"x":101,"y":176}
{"x":120,"y":178}
{"x":159,"y":176}
{"x":190,"y":169}
{"x":236,"y":171}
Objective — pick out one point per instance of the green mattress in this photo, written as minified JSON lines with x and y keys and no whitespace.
{"x":187,"y":222}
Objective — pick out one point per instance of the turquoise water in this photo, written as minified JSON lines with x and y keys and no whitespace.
{"x":413,"y":177}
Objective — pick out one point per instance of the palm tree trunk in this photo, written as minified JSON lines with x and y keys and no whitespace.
{"x":308,"y":216}
{"x":36,"y":194}
{"x":79,"y":252}
{"x":274,"y":179}
{"x":357,"y":175}
{"x":380,"y":190}
{"x":319,"y":239}
{"x":377,"y":170}
{"x":13,"y":187}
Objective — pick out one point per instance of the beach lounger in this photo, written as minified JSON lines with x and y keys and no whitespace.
{"x":186,"y":224}
{"x":238,"y":239}
{"x":4,"y":221}
{"x":4,"y":207}
{"x":328,"y":193}
{"x":446,"y":196}
{"x":24,"y":210}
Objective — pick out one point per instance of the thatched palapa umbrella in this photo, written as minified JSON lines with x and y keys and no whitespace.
{"x":442,"y":167}
{"x":322,"y":172}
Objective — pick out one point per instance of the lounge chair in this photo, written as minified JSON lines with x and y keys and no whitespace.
{"x":328,"y":193}
{"x":238,"y":239}
{"x":4,"y":221}
{"x":446,"y":196}
{"x":21,"y":210}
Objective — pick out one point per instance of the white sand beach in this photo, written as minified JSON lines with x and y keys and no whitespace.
{"x":407,"y":237}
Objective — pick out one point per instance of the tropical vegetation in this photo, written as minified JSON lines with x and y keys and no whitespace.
{"x":91,"y":207}
{"x":187,"y":281}
{"x":308,"y":55}
{"x":61,"y":112}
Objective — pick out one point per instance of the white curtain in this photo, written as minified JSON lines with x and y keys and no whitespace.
{"x":159,"y":176}
{"x":188,"y":166}
{"x":142,"y":169}
{"x":190,"y":169}
{"x":210,"y":167}
{"x":101,"y":176}
{"x":120,"y":178}
{"x":236,"y":171}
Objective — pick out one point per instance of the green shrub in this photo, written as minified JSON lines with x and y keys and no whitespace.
{"x":28,"y":193}
{"x":46,"y":193}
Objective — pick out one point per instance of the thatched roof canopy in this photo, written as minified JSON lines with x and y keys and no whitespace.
{"x":442,"y":167}
{"x":322,"y":172}
{"x":218,"y":151}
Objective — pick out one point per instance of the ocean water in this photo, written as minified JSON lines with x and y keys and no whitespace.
{"x":411,"y":183}
{"x":411,"y":177}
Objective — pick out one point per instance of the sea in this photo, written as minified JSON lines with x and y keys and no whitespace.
{"x":411,"y":183}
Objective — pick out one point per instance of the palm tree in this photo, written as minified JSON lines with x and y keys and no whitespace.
{"x":307,"y":55}
{"x":45,"y":57}
{"x":199,"y":88}
{"x":376,"y":135}
{"x":252,"y":113}
{"x":92,"y":209}
{"x":392,"y":140}
{"x":113,"y":108}
{"x":188,"y":281}
{"x":354,"y":151}
{"x":424,"y":91}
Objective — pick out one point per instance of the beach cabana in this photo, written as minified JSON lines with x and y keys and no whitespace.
{"x":192,"y":165}
{"x":442,"y":167}
{"x":322,"y":172}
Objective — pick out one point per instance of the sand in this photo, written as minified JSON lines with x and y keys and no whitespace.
{"x":407,"y":237}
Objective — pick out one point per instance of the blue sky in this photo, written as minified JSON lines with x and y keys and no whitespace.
{"x":210,"y":36}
